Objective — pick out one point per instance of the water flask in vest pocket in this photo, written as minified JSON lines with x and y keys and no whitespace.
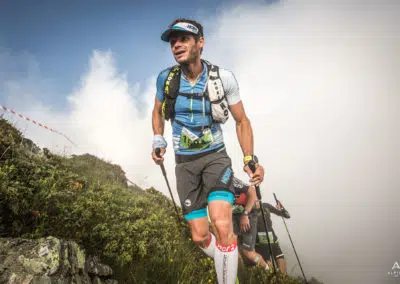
{"x":219,"y":105}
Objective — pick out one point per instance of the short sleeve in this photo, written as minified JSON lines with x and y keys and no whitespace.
{"x":160,"y":84}
{"x":231,"y":86}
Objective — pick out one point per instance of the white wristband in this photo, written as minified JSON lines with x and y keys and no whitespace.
{"x":159,"y":142}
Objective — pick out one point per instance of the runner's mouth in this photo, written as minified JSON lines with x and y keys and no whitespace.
{"x":178,"y":53}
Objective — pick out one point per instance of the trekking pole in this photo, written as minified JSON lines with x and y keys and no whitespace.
{"x":252,"y":167}
{"x":157,"y":151}
{"x":283,"y":219}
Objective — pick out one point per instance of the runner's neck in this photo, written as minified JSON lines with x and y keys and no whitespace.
{"x":192,"y":71}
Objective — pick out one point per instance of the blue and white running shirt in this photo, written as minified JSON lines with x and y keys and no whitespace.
{"x":189,"y":111}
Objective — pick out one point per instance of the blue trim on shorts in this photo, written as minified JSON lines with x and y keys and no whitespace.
{"x":221,"y":195}
{"x":196,"y":214}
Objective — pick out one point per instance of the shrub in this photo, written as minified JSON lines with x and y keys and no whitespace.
{"x":87,"y":199}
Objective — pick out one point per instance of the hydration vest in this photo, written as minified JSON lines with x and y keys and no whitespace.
{"x":214,"y":93}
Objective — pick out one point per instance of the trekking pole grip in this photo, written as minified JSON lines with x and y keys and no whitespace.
{"x":158,"y":154}
{"x":276,"y":199}
{"x":252,"y":166}
{"x":278,"y":202}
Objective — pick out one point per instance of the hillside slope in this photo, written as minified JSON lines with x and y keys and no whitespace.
{"x":86,"y":199}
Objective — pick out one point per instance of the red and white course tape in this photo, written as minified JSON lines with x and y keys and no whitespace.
{"x":36,"y":123}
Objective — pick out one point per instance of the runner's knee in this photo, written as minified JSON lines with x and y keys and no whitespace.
{"x":199,"y":229}
{"x":199,"y":238}
{"x":222,"y":226}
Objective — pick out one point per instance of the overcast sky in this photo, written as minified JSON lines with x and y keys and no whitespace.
{"x":319,"y":81}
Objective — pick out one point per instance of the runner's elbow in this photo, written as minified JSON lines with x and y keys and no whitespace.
{"x":242,"y":121}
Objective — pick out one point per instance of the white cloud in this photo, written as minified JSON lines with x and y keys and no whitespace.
{"x":319,"y":80}
{"x":105,"y":117}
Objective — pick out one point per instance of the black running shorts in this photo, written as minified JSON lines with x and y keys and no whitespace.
{"x":246,"y":240}
{"x":203,"y":180}
{"x":263,"y":249}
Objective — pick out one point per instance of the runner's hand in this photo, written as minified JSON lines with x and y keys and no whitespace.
{"x":244,"y":223}
{"x":156,"y":159}
{"x":257,"y":177}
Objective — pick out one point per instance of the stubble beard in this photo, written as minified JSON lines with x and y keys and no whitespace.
{"x":192,"y":57}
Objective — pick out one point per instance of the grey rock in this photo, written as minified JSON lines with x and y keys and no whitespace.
{"x":49,"y":261}
{"x":96,"y":268}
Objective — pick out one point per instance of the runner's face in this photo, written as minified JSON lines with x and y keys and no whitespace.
{"x":185,"y":48}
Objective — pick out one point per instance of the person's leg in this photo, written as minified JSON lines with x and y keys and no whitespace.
{"x":280,"y":257}
{"x":199,"y":228}
{"x":255,"y":258}
{"x":217,"y":183}
{"x":247,"y":247}
{"x":263,"y":250}
{"x":194,"y":203}
{"x":226,"y":252}
{"x":282,"y":264}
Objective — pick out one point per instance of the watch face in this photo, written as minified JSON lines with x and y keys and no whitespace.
{"x":255,"y":159}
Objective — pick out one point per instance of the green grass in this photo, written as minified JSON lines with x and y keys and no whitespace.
{"x":86,"y":199}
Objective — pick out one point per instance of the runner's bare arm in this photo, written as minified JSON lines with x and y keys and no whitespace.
{"x":158,"y":129}
{"x":245,"y":136}
{"x":243,"y":128}
{"x":157,"y":120}
{"x":251,"y":199}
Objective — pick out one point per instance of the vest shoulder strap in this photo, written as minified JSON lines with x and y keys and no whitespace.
{"x":213,"y":75}
{"x":171,"y":85}
{"x":213,"y":72}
